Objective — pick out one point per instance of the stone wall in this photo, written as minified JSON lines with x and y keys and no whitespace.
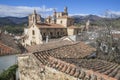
{"x":28,"y":68}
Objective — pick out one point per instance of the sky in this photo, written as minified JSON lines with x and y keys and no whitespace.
{"x":21,"y":8}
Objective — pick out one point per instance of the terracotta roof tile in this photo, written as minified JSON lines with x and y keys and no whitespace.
{"x":76,"y":71}
{"x":48,"y":46}
{"x":44,"y":25}
{"x":69,"y":50}
{"x":5,"y":50}
{"x":103,"y":67}
{"x":71,"y":64}
{"x":8,"y":40}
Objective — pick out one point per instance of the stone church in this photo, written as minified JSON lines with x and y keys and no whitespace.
{"x":55,"y":26}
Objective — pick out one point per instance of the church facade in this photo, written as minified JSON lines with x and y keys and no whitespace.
{"x":55,"y":26}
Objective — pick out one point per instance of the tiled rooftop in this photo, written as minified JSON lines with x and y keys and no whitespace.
{"x":8,"y":40}
{"x":92,"y":70}
{"x":48,"y":46}
{"x":4,"y":49}
{"x":68,"y":59}
{"x":103,"y":67}
{"x":68,"y":49}
{"x":77,"y":50}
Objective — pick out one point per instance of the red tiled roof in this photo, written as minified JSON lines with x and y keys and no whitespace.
{"x":100,"y":66}
{"x":48,"y":46}
{"x":67,"y":60}
{"x":71,"y":69}
{"x":76,"y":50}
{"x":43,"y":25}
{"x":67,"y":48}
{"x":4,"y":49}
{"x":9,"y":41}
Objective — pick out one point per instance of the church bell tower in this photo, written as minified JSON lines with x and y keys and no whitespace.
{"x":34,"y":18}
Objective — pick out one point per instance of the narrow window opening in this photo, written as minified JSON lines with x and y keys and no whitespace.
{"x":33,"y":32}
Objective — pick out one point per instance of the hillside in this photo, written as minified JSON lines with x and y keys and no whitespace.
{"x":13,"y":25}
{"x":97,"y":20}
{"x":13,"y":20}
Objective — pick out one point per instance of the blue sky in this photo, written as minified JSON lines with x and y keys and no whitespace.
{"x":74,"y":6}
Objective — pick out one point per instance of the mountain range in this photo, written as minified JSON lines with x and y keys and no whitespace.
{"x":13,"y":20}
{"x":97,"y":20}
{"x":94,"y":19}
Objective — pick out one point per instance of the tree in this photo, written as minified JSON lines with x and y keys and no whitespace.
{"x":9,"y":74}
{"x":107,"y":41}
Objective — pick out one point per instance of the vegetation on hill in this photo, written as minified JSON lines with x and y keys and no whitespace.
{"x":9,"y":74}
{"x":13,"y":24}
{"x":17,"y":29}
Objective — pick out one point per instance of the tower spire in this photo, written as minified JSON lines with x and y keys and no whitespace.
{"x":54,"y":10}
{"x":34,"y":12}
{"x":66,"y":10}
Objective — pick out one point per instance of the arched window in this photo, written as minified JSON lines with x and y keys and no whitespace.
{"x":33,"y":32}
{"x":51,"y":34}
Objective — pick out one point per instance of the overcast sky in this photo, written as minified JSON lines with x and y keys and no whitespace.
{"x":21,"y":8}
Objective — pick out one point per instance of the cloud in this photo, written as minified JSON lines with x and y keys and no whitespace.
{"x":113,"y":14}
{"x":107,"y":13}
{"x":78,"y":14}
{"x":22,"y":11}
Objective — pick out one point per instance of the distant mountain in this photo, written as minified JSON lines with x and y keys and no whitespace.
{"x":97,"y":20}
{"x":79,"y":18}
{"x":17,"y":20}
{"x":14,"y":25}
{"x":13,"y":20}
